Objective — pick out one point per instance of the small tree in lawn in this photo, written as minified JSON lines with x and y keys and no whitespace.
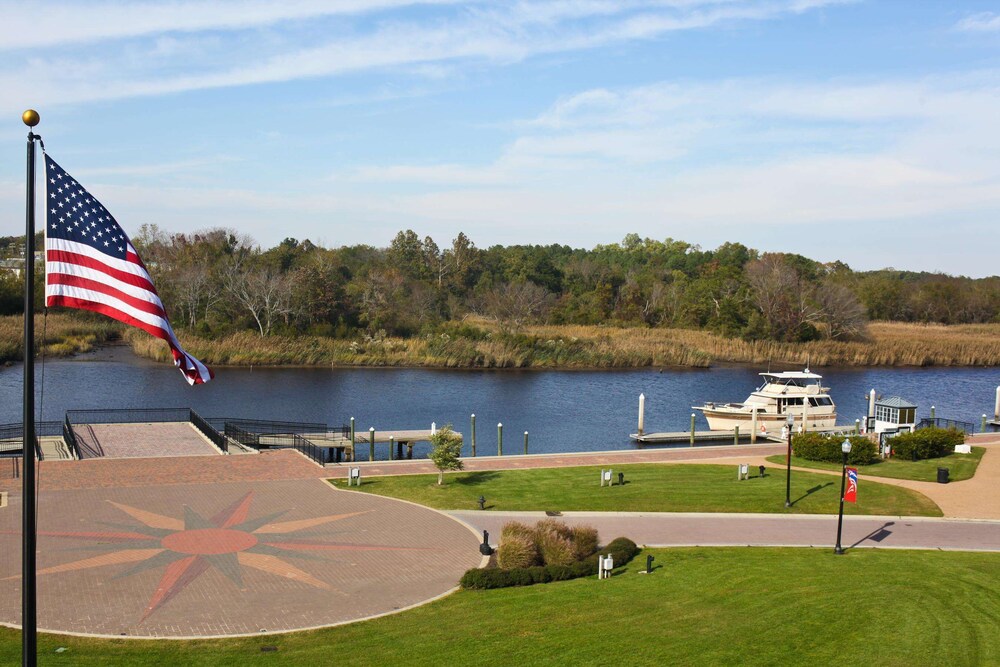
{"x":446,"y":448}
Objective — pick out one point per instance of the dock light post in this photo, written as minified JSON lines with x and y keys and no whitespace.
{"x":371,"y":443}
{"x":499,"y":439}
{"x":789,"y":422}
{"x":845,"y":447}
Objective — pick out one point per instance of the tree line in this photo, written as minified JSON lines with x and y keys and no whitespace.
{"x":219,"y":281}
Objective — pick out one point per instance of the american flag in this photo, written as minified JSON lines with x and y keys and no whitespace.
{"x":91,"y":264}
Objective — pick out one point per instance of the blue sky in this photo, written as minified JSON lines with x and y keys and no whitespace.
{"x":851,"y":130}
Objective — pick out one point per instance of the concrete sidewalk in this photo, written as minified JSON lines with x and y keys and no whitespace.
{"x":698,"y":529}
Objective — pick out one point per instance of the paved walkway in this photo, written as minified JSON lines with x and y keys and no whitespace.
{"x":220,"y":546}
{"x":687,"y":529}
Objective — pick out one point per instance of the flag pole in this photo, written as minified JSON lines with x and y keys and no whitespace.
{"x":29,"y":639}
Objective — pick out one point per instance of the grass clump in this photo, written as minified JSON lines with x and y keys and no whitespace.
{"x":517,"y":547}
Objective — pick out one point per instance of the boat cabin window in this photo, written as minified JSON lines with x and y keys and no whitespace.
{"x":821,"y":400}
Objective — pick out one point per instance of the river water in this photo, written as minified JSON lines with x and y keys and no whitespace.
{"x":563,"y":410}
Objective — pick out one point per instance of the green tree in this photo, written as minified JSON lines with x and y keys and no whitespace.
{"x":446,"y":450}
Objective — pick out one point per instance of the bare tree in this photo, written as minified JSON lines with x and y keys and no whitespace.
{"x":841,"y":312}
{"x":781,"y":295}
{"x":378,"y":293}
{"x":512,"y":305}
{"x":262,"y":291}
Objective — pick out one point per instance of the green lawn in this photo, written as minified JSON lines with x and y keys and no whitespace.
{"x":700,"y":606}
{"x":960,"y":466}
{"x":648,"y":488}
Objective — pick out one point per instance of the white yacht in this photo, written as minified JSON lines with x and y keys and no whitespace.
{"x":798,"y":393}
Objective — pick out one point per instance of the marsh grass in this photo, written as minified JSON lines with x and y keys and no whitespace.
{"x":478,"y":344}
{"x":62,"y":335}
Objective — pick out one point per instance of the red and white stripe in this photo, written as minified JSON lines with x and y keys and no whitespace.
{"x":78,"y":276}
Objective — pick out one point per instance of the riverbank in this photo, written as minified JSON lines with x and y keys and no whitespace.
{"x":480,"y":345}
{"x":58,"y":335}
{"x":594,"y":347}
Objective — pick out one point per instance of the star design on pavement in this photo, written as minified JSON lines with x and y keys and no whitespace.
{"x":228,"y":541}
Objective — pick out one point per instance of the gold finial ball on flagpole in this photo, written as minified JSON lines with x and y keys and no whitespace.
{"x":30,"y":117}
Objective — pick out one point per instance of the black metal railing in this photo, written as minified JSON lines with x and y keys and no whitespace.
{"x":69,"y":437}
{"x":88,"y":446}
{"x":12,"y":437}
{"x":941,"y":422}
{"x":268,"y":427}
{"x":317,"y":454}
{"x":209,"y":431}
{"x":129,"y":415}
{"x":242,"y":436}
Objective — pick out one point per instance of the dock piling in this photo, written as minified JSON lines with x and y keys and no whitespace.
{"x":473,"y":434}
{"x":499,"y":439}
{"x":526,"y":436}
{"x":642,"y":411}
{"x":996,"y":407}
{"x":391,"y":444}
{"x":736,"y":435}
{"x":753,"y":427}
{"x":692,"y":429}
{"x":371,"y":444}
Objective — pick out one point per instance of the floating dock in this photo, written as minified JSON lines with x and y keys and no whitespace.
{"x":704,"y":437}
{"x":722,"y":437}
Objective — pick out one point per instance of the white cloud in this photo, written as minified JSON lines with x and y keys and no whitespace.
{"x":222,"y":44}
{"x":982,"y":22}
{"x":29,"y":25}
{"x":748,"y":160}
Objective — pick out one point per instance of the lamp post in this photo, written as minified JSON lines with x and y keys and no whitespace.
{"x":789,"y":421}
{"x":845,"y":447}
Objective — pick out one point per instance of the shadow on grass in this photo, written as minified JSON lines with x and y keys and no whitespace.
{"x":812,"y":491}
{"x":476,"y":478}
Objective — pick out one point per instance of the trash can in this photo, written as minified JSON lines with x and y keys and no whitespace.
{"x":942,"y":475}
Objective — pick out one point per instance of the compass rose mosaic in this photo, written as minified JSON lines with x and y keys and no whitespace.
{"x":224,"y":559}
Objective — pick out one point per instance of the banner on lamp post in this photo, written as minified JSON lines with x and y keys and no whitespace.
{"x":851,"y":493}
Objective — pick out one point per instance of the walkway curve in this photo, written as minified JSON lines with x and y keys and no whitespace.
{"x":670,"y":529}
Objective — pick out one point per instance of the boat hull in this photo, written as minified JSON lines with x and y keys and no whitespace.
{"x":727,"y":420}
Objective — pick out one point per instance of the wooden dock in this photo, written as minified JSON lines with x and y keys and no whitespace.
{"x":344,"y":449}
{"x":703,"y":437}
{"x":723,"y":437}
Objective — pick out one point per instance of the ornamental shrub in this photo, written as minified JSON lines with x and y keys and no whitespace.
{"x":517,"y":551}
{"x":584,"y":541}
{"x":926,"y":443}
{"x":819,"y":447}
{"x":622,"y":550}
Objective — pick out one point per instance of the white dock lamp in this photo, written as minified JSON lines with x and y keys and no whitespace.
{"x":789,"y":421}
{"x":845,"y":447}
